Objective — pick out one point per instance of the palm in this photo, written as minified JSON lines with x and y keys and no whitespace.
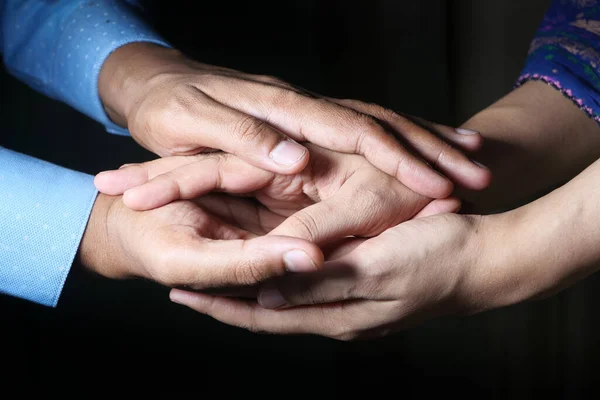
{"x":185,"y":243}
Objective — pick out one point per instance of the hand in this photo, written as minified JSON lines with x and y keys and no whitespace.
{"x":175,"y":106}
{"x":182,"y":245}
{"x":429,"y":267}
{"x":336,"y":195}
{"x":417,"y":270}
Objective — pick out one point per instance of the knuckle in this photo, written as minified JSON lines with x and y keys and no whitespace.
{"x":368,"y":126}
{"x":250,"y":129}
{"x":287,"y":97}
{"x":443,"y":152}
{"x":387,"y":114}
{"x":209,"y":80}
{"x":253,"y":325}
{"x":402,"y":165}
{"x":370,"y":203}
{"x":252,"y":272}
{"x":366,"y":197}
{"x":303,"y":225}
{"x":368,"y":122}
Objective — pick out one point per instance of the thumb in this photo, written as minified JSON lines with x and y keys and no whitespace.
{"x":440,"y":206}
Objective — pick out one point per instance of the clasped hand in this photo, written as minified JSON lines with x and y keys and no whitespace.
{"x":316,"y":193}
{"x":270,"y":228}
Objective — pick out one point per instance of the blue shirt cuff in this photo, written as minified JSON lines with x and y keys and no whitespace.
{"x":44,"y":210}
{"x":91,"y":33}
{"x":59,"y":47}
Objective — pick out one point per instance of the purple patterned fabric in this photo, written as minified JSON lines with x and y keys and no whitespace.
{"x":565,"y":53}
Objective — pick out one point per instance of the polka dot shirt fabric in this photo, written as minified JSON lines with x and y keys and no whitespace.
{"x":57,"y":48}
{"x":43,"y":213}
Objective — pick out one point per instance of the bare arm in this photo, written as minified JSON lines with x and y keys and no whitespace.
{"x":536,"y":140}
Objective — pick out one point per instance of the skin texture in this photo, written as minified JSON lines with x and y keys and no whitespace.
{"x":182,"y":245}
{"x":347,"y":189}
{"x":455,"y":264}
{"x":176,"y":106}
{"x":375,"y":287}
{"x":534,"y":141}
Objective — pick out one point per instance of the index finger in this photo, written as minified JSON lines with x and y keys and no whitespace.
{"x":339,"y":128}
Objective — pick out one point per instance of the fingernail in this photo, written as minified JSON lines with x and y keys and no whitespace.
{"x":464,"y":131}
{"x":298,"y":261}
{"x":287,"y":153}
{"x":271,"y":298}
{"x":479,"y":164}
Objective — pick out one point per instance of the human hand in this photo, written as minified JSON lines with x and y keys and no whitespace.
{"x":182,"y":245}
{"x":175,"y":106}
{"x":429,"y":267}
{"x":336,"y":195}
{"x":417,"y":270}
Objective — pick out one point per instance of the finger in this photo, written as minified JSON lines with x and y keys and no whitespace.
{"x":249,"y":293}
{"x":210,"y":123}
{"x":248,"y":314}
{"x":230,"y":263}
{"x":334,"y":127}
{"x":440,"y":206}
{"x":357,"y":210}
{"x":330,"y":219}
{"x":450,"y":161}
{"x":221,"y":172}
{"x":116,"y":182}
{"x":466,"y":139}
{"x":245,"y":213}
{"x":330,"y":320}
{"x":338,"y":280}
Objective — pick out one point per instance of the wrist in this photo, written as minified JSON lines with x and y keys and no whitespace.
{"x":529,"y":252}
{"x":558,"y":239}
{"x":126,"y":73}
{"x":97,"y":251}
{"x":499,"y":277}
{"x":492,"y":257}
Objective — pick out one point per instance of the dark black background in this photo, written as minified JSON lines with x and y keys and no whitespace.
{"x":442,"y":60}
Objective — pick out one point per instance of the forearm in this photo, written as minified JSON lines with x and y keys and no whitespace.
{"x":535,"y":140}
{"x":545,"y":246}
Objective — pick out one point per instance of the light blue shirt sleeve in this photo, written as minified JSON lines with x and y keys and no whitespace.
{"x":58,"y":47}
{"x":44,"y":210}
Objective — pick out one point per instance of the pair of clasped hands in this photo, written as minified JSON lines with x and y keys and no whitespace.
{"x":275,"y":209}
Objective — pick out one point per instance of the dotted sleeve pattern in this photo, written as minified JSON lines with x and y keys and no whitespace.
{"x":44,"y":210}
{"x":58,"y":47}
